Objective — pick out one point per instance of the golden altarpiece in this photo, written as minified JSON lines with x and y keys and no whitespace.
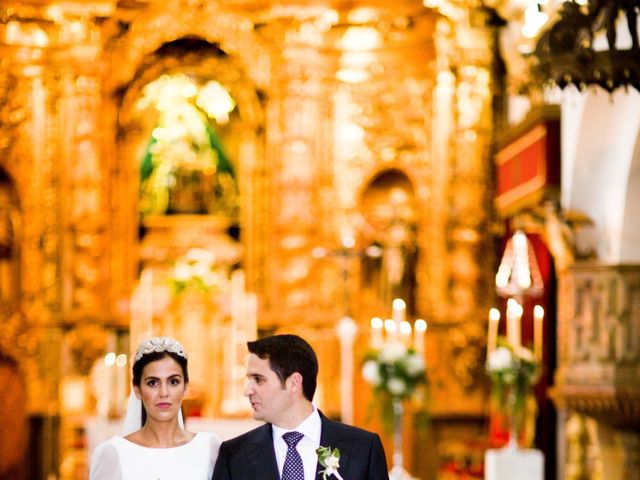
{"x":347,"y":125}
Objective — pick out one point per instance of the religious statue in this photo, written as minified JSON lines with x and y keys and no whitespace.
{"x":185,"y":169}
{"x":392,"y":230}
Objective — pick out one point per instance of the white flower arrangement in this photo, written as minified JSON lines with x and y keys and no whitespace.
{"x":395,"y":370}
{"x":197,"y":270}
{"x":396,"y":373}
{"x":513,"y":372}
{"x":329,"y":458}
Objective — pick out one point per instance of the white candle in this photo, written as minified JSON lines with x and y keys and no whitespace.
{"x":420,"y":330}
{"x":376,"y":332}
{"x":251,"y":310}
{"x":405,"y":333}
{"x":110,"y":364}
{"x":514,"y":315}
{"x":518,"y":334}
{"x":347,"y":330}
{"x":390,"y":328}
{"x":399,"y":309}
{"x":121,"y":381}
{"x":538,"y":316}
{"x":492,"y":336}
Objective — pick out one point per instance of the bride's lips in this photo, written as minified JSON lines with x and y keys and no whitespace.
{"x":163,"y":405}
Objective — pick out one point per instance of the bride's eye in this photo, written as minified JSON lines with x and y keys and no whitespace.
{"x":152,"y":383}
{"x":175,"y":381}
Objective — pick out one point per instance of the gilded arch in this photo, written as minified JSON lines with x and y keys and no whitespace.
{"x":246,"y":68}
{"x":172,"y":20}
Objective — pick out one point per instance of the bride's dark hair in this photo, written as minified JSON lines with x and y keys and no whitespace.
{"x":152,"y":357}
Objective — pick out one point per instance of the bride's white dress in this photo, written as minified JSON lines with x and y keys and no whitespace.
{"x":120,"y":459}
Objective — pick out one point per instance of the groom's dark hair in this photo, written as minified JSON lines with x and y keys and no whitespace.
{"x":288,"y":354}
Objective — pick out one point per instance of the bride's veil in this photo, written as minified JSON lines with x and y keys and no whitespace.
{"x":133,"y":417}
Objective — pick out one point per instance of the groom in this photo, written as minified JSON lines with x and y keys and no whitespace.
{"x":282,"y":372}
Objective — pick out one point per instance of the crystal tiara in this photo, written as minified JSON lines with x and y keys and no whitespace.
{"x":160,"y":344}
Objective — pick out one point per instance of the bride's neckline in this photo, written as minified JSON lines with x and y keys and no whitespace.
{"x":158,"y":448}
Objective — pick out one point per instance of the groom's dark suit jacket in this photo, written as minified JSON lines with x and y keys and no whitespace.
{"x":251,"y":456}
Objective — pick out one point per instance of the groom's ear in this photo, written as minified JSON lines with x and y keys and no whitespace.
{"x":295,"y":382}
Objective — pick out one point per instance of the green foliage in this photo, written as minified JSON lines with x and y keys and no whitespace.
{"x":513,"y":373}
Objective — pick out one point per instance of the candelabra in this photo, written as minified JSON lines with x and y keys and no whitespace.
{"x":514,"y":368}
{"x":396,"y":369}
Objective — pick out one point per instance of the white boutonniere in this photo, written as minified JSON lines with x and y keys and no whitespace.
{"x":329,"y":458}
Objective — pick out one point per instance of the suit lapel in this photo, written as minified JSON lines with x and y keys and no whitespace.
{"x":331,"y":436}
{"x":261,"y":455}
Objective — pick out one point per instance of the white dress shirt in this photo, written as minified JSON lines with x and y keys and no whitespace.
{"x":307,"y":446}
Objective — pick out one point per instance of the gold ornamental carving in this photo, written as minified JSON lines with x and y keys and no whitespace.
{"x":85,"y":218}
{"x":456,"y":242}
{"x":598,"y":354}
{"x":168,"y":21}
{"x":134,"y":51}
{"x":598,"y":361}
{"x":12,"y":111}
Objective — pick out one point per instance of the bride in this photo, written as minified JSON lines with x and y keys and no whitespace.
{"x":156,"y":445}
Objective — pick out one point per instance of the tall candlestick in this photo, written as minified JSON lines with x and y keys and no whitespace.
{"x":251,"y":320}
{"x":121,"y":381}
{"x":346,"y":330}
{"x":405,"y":333}
{"x":390,"y":328}
{"x":110,"y":364}
{"x":492,"y":336}
{"x":538,"y":316}
{"x":514,"y":316}
{"x":376,"y":332}
{"x":518,"y":334}
{"x":399,"y":309}
{"x":420,"y":330}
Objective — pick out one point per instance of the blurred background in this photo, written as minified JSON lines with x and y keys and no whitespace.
{"x":355,"y":172}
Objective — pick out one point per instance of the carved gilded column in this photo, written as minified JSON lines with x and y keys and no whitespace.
{"x":85,"y":204}
{"x":36,"y":149}
{"x":32,"y":162}
{"x":298,"y":116}
{"x":55,"y":161}
{"x":462,"y":275}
